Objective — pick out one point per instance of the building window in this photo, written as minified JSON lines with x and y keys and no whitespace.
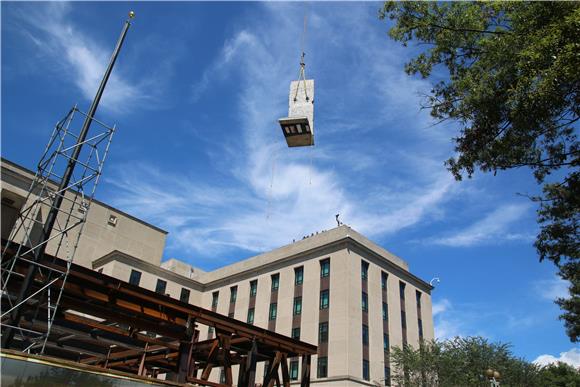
{"x":250,"y":319}
{"x":365,"y":302}
{"x":323,"y":332}
{"x":273,"y":311}
{"x":322,"y":369}
{"x":364,"y":270}
{"x":384,"y":280}
{"x":386,"y":343}
{"x":402,"y":290}
{"x":297,"y":306}
{"x":233,"y":294}
{"x":385,"y":311}
{"x":366,"y":371}
{"x":404,"y":319}
{"x":294,"y":370}
{"x":324,"y":299}
{"x":299,"y":275}
{"x":101,"y":271}
{"x":296,"y":333}
{"x":160,"y":287}
{"x":420,"y":329}
{"x":365,"y":334}
{"x":387,"y":376}
{"x":210,"y":332}
{"x":325,"y":267}
{"x":135,"y":277}
{"x":214,"y":299}
{"x":253,"y":288}
{"x":231,"y":315}
{"x":418,"y":295}
{"x":275,"y":282}
{"x":222,"y":376}
{"x":266,"y":367}
{"x":184,"y":296}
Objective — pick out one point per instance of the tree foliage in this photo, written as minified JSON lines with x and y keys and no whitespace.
{"x":513,"y":85}
{"x":463,"y":362}
{"x":559,"y":375}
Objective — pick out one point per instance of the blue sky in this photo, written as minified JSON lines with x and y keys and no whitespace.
{"x":196,"y":95}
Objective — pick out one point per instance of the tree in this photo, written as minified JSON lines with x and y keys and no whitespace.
{"x":460,"y":362}
{"x":559,"y":375}
{"x":513,"y":85}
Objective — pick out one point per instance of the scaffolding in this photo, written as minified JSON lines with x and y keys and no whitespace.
{"x":70,"y":202}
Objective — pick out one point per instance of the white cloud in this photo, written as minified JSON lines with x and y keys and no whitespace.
{"x":493,"y":227}
{"x":552,"y":289}
{"x":447,"y":323}
{"x":571,"y":357}
{"x":441,"y":306}
{"x":80,"y":58}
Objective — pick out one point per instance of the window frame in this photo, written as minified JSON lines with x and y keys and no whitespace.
{"x":252,"y":313}
{"x":386,"y":343}
{"x":215,"y":299}
{"x":293,"y":333}
{"x":298,"y":279}
{"x":364,"y":270}
{"x":293,"y":370}
{"x":273,"y":311}
{"x":323,"y":333}
{"x":365,"y":335}
{"x":253,"y":288}
{"x":325,"y":268}
{"x":364,"y":302}
{"x":324,"y":305}
{"x":275,"y":282}
{"x":322,"y":365}
{"x":233,"y":294}
{"x":138,"y":274}
{"x":297,"y":307}
{"x":384,"y":280}
{"x":183,"y":292}
{"x":366,"y":370}
{"x":161,"y":289}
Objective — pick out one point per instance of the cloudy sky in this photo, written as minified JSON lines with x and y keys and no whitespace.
{"x":196,"y":95}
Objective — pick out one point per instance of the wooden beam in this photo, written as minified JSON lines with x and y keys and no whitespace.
{"x":285,"y":373}
{"x":227,"y":363}
{"x":272,"y":374}
{"x":203,"y":382}
{"x":305,"y":379}
{"x":142,"y":362}
{"x":210,"y":359}
{"x":75,"y":318}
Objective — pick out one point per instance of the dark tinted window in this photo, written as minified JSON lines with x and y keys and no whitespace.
{"x":135,"y":277}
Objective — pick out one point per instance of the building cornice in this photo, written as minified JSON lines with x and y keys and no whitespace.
{"x":25,"y":175}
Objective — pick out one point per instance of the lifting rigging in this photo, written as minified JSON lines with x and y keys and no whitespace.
{"x":298,"y":127}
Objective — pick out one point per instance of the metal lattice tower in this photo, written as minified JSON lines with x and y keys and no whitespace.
{"x":75,"y":198}
{"x":52,"y":219}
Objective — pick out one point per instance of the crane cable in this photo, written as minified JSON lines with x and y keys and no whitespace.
{"x":301,"y":72}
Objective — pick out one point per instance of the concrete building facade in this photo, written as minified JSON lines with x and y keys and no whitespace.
{"x":336,"y":289}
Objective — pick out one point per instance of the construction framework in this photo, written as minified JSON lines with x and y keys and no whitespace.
{"x":103,"y":321}
{"x":66,"y":202}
